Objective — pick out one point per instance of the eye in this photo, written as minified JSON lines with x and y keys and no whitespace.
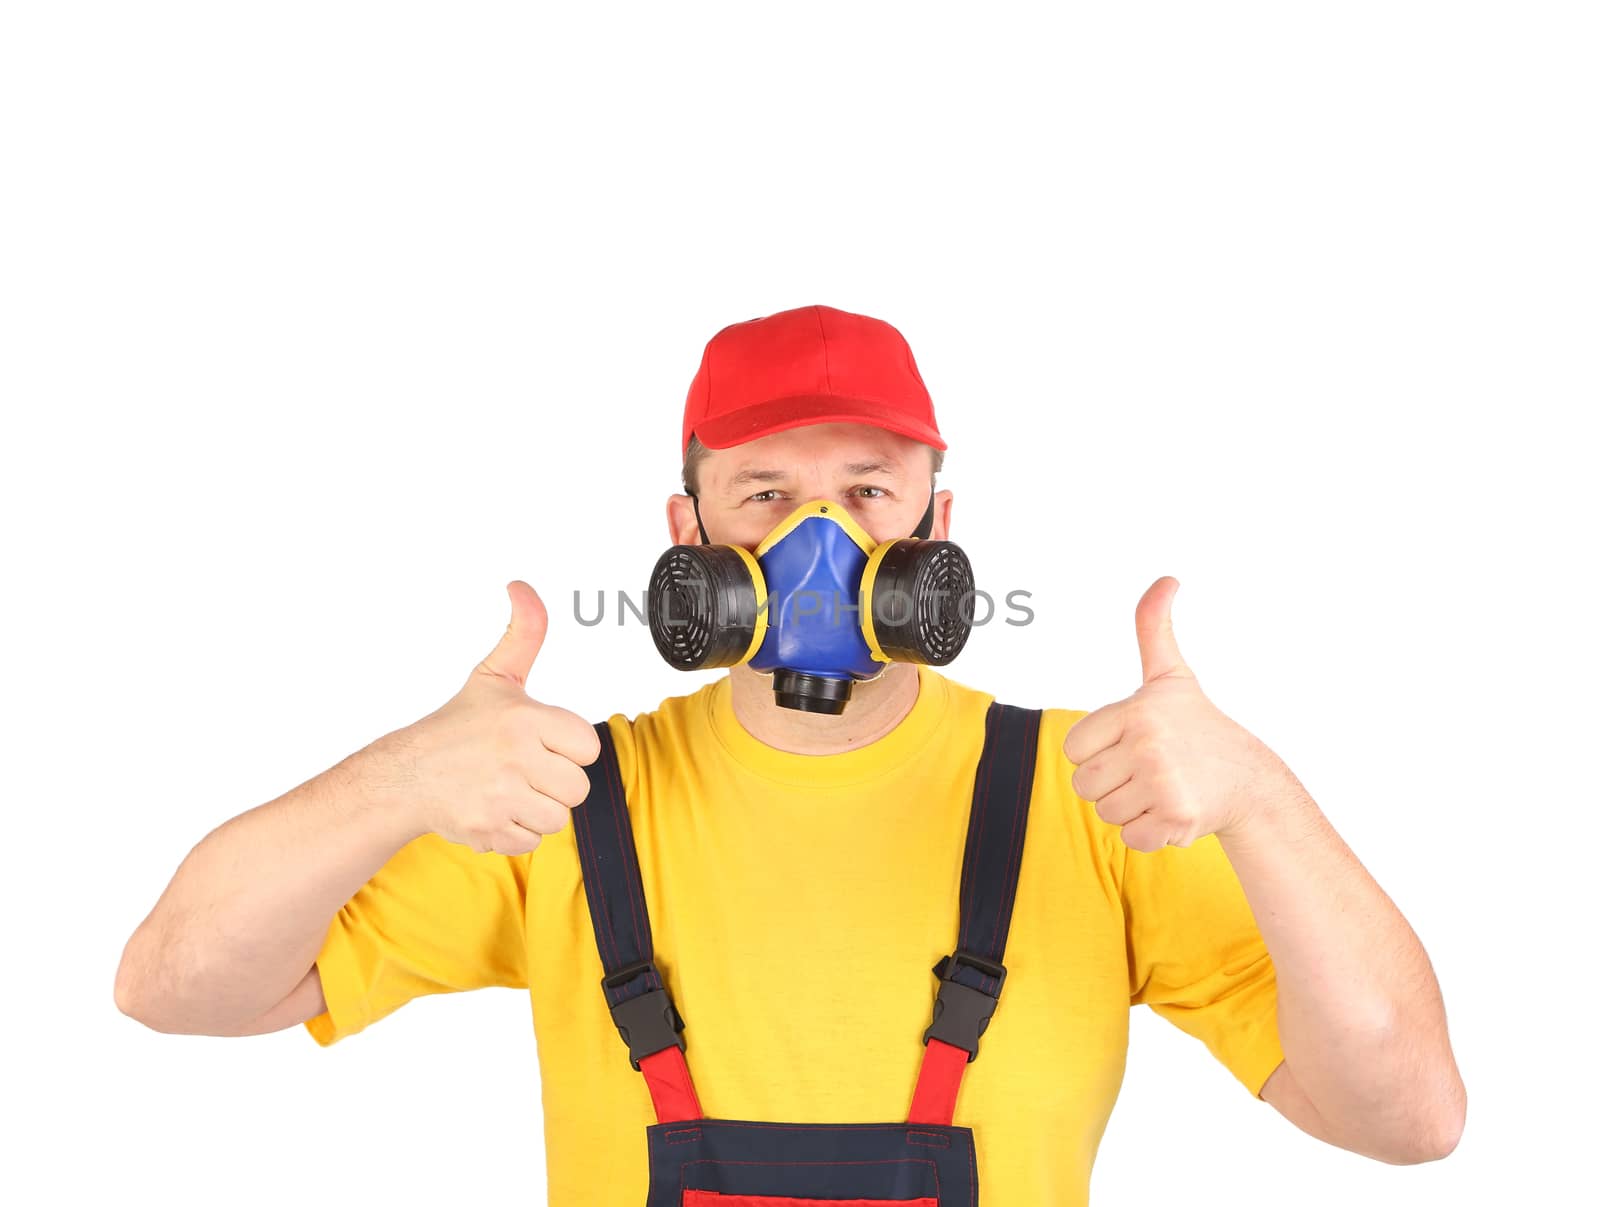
{"x":880,"y":492}
{"x":764,"y":496}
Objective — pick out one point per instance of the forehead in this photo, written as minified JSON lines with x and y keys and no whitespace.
{"x":832,"y":446}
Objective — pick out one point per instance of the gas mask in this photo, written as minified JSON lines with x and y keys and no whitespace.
{"x":819,"y":605}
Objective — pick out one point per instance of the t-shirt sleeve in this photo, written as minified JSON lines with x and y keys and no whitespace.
{"x":437,"y":918}
{"x":1196,"y":957}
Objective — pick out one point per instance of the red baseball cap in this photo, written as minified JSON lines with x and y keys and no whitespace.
{"x":798,"y":367}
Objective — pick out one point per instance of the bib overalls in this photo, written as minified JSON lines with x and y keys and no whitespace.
{"x":922,"y":1162}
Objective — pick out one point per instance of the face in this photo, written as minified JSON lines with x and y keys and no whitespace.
{"x":880,"y":477}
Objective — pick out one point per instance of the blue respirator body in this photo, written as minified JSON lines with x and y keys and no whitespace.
{"x":818,"y":605}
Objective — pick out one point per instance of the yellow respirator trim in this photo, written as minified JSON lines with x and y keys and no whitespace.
{"x":868,"y":577}
{"x":817,"y":507}
{"x":760,"y":581}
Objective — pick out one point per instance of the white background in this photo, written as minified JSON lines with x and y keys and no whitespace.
{"x":322,"y":321}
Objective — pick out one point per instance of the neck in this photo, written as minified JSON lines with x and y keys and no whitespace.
{"x":874,"y":709}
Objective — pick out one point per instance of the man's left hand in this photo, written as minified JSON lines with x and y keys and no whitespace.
{"x":1166,"y":764}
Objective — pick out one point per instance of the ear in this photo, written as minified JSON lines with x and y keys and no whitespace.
{"x":681,"y":526}
{"x":942,"y":500}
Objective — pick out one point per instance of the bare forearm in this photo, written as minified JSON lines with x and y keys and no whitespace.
{"x":1360,"y":1014}
{"x":245,"y":915}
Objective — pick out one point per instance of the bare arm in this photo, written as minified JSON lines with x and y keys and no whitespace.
{"x":230,"y":948}
{"x":235,"y":935}
{"x":1368,"y":1064}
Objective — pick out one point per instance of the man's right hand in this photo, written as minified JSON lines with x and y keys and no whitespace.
{"x":494,"y":769}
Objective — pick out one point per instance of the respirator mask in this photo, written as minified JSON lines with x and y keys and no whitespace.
{"x":819,"y":605}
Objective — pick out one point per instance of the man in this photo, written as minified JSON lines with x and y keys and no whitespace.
{"x":800,"y":868}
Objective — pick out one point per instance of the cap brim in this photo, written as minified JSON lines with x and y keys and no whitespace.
{"x":782,"y":414}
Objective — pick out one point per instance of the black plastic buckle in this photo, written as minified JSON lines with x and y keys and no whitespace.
{"x":960,"y":1012}
{"x":649,"y":1022}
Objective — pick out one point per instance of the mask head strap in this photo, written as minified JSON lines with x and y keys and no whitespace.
{"x":924,"y":526}
{"x":704,"y":539}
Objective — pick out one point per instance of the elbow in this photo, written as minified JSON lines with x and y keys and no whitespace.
{"x":1431,"y":1145}
{"x":123,"y":992}
{"x":1437,"y":1137}
{"x":135,"y":992}
{"x":1446,"y":1134}
{"x":172,"y":988}
{"x":129,"y":991}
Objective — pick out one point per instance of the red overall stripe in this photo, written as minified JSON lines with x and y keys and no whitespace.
{"x":671,"y":1089}
{"x":934,"y":1100}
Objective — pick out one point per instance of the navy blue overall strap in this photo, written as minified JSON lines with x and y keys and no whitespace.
{"x":970,"y":978}
{"x":635,"y":991}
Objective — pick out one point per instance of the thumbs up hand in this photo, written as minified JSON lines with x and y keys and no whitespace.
{"x":1165,"y":764}
{"x":494,"y":769}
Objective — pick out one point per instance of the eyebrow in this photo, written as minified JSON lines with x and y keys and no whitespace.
{"x":746,"y":476}
{"x":859,"y":468}
{"x":855,"y":469}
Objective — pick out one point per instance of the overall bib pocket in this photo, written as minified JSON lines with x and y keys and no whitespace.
{"x":712,"y":1198}
{"x":747,"y":1163}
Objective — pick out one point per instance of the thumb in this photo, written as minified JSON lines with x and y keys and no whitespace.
{"x":519,"y":646}
{"x":1152,"y":619}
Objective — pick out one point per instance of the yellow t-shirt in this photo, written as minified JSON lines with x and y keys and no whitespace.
{"x":798,"y":905}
